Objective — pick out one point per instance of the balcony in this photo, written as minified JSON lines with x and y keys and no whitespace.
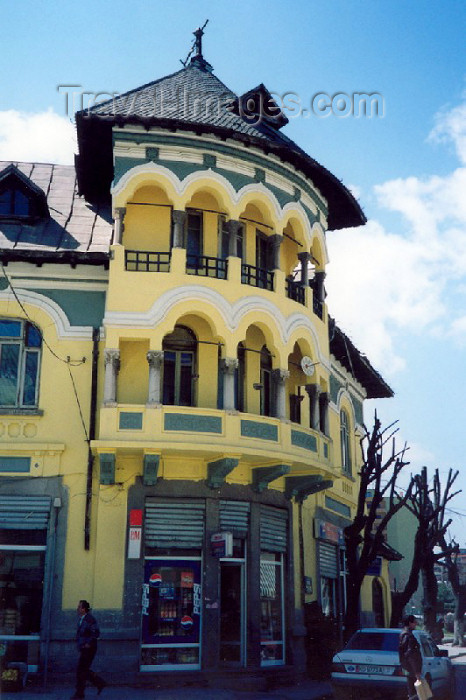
{"x":147,"y":261}
{"x":207,"y":266}
{"x":208,"y":433}
{"x":296,"y":291}
{"x":257,"y":277}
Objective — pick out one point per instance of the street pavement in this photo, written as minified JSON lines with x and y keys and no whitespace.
{"x":307,"y":690}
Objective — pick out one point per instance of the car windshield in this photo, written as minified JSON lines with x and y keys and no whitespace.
{"x":376,"y":641}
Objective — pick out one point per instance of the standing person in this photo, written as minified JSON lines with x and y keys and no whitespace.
{"x":86,"y":639}
{"x":410,"y":654}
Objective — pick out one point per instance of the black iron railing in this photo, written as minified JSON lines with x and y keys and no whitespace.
{"x":147,"y":261}
{"x":318,"y":307}
{"x":206,"y":266}
{"x":257,"y":277}
{"x":295,"y":291}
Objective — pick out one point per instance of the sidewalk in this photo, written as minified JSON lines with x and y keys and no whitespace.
{"x":307,"y":690}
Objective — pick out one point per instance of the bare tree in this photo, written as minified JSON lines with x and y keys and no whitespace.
{"x":365,"y":536}
{"x":450,"y":561}
{"x":428,"y":504}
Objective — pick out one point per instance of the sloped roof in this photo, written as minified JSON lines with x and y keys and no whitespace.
{"x":194,"y":98}
{"x":357,"y":364}
{"x":74,"y":228}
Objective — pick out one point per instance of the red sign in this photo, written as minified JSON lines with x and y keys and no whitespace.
{"x":135,"y":517}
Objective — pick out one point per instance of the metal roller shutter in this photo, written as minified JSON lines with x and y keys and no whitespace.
{"x":273,"y":529}
{"x":175,"y":524}
{"x":328,"y":560}
{"x":234,"y":517}
{"x":24,"y":512}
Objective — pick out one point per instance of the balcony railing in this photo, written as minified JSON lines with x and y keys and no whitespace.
{"x":206,"y":266}
{"x":318,"y":307}
{"x":147,"y":261}
{"x":295,"y":291}
{"x":257,"y":277}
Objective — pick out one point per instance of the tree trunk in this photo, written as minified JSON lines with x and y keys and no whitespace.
{"x":430,"y":602}
{"x":460,"y":609}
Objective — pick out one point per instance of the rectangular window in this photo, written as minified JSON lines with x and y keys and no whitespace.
{"x":272,"y":609}
{"x":20,"y":344}
{"x":171,"y":614}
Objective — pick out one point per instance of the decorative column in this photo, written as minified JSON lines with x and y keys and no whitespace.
{"x":304,"y":259}
{"x":228,"y":366}
{"x":319,"y":288}
{"x":279,"y":379}
{"x":155,"y":360}
{"x":313,"y":391}
{"x":233,"y":227}
{"x":324,"y":401}
{"x":275,"y":243}
{"x":179,"y":219}
{"x":119,"y":226}
{"x":112,"y":366}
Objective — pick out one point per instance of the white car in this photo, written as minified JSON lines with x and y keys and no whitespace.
{"x":369,"y":665}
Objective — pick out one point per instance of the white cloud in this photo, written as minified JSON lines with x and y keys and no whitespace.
{"x":43,"y":137}
{"x":383,"y":285}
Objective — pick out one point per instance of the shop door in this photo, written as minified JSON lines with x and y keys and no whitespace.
{"x":232,"y":614}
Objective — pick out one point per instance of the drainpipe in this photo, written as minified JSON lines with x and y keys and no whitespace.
{"x":92,"y":421}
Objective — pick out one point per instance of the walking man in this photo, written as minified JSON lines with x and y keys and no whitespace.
{"x":86,"y":639}
{"x":410,"y":654}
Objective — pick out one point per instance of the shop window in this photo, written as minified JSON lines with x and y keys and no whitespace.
{"x":20,"y":347}
{"x":345,"y":443}
{"x":266,"y":382}
{"x":179,"y":363}
{"x":171,"y":614}
{"x":272,"y":609}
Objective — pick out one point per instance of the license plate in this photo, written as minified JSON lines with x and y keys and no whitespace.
{"x":370,"y":669}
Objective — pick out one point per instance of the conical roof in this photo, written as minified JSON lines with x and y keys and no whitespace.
{"x":193,"y":98}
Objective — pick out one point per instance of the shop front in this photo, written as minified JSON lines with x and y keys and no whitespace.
{"x":214,"y":584}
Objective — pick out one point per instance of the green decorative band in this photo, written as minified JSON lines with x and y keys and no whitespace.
{"x":257,"y":160}
{"x":15,"y":464}
{"x":152,"y":153}
{"x":335,"y":387}
{"x":82,"y":308}
{"x":338,"y":507}
{"x":130,"y":421}
{"x":307,"y":442}
{"x":358,"y":411}
{"x":193,"y":424}
{"x":263,"y":431}
{"x":209,"y":160}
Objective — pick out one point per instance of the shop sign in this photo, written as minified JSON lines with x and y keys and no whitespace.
{"x":134,"y":542}
{"x":328,"y":532}
{"x":222,"y":544}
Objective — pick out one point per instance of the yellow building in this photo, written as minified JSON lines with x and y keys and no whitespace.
{"x":180,"y":419}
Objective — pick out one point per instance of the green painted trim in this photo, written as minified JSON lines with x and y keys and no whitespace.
{"x":358,"y":411}
{"x":152,"y":153}
{"x":335,"y":387}
{"x":338,"y":507}
{"x":107,"y":469}
{"x":80,"y":307}
{"x":193,"y":424}
{"x":307,"y":442}
{"x":15,"y":464}
{"x":218,"y":471}
{"x":325,"y":450}
{"x":259,"y":161}
{"x":150,"y":470}
{"x":263,"y":431}
{"x":130,"y":421}
{"x":209,"y":160}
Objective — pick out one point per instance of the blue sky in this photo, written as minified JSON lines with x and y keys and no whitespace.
{"x":396,"y":286}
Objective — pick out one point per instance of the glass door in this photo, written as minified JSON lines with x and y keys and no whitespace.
{"x":232,"y":614}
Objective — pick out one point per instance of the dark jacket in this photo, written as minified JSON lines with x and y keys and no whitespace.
{"x":88,"y":632}
{"x":410,"y":652}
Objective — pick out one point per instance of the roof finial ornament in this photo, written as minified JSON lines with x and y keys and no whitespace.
{"x":198,"y":59}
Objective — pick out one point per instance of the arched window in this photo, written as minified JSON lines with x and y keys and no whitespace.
{"x":20,"y":347}
{"x":179,"y":363}
{"x":345,"y":443}
{"x":266,"y":382}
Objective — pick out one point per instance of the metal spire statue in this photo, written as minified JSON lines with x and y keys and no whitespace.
{"x":198,"y":59}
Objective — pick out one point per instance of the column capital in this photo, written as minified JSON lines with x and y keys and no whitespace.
{"x":178,"y":216}
{"x":280,"y":375}
{"x":229,"y":365}
{"x":120,"y":212}
{"x":112,"y":357}
{"x":155,"y":358}
{"x":313,"y":390}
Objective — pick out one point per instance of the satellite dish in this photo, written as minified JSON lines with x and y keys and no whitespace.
{"x":307,"y":365}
